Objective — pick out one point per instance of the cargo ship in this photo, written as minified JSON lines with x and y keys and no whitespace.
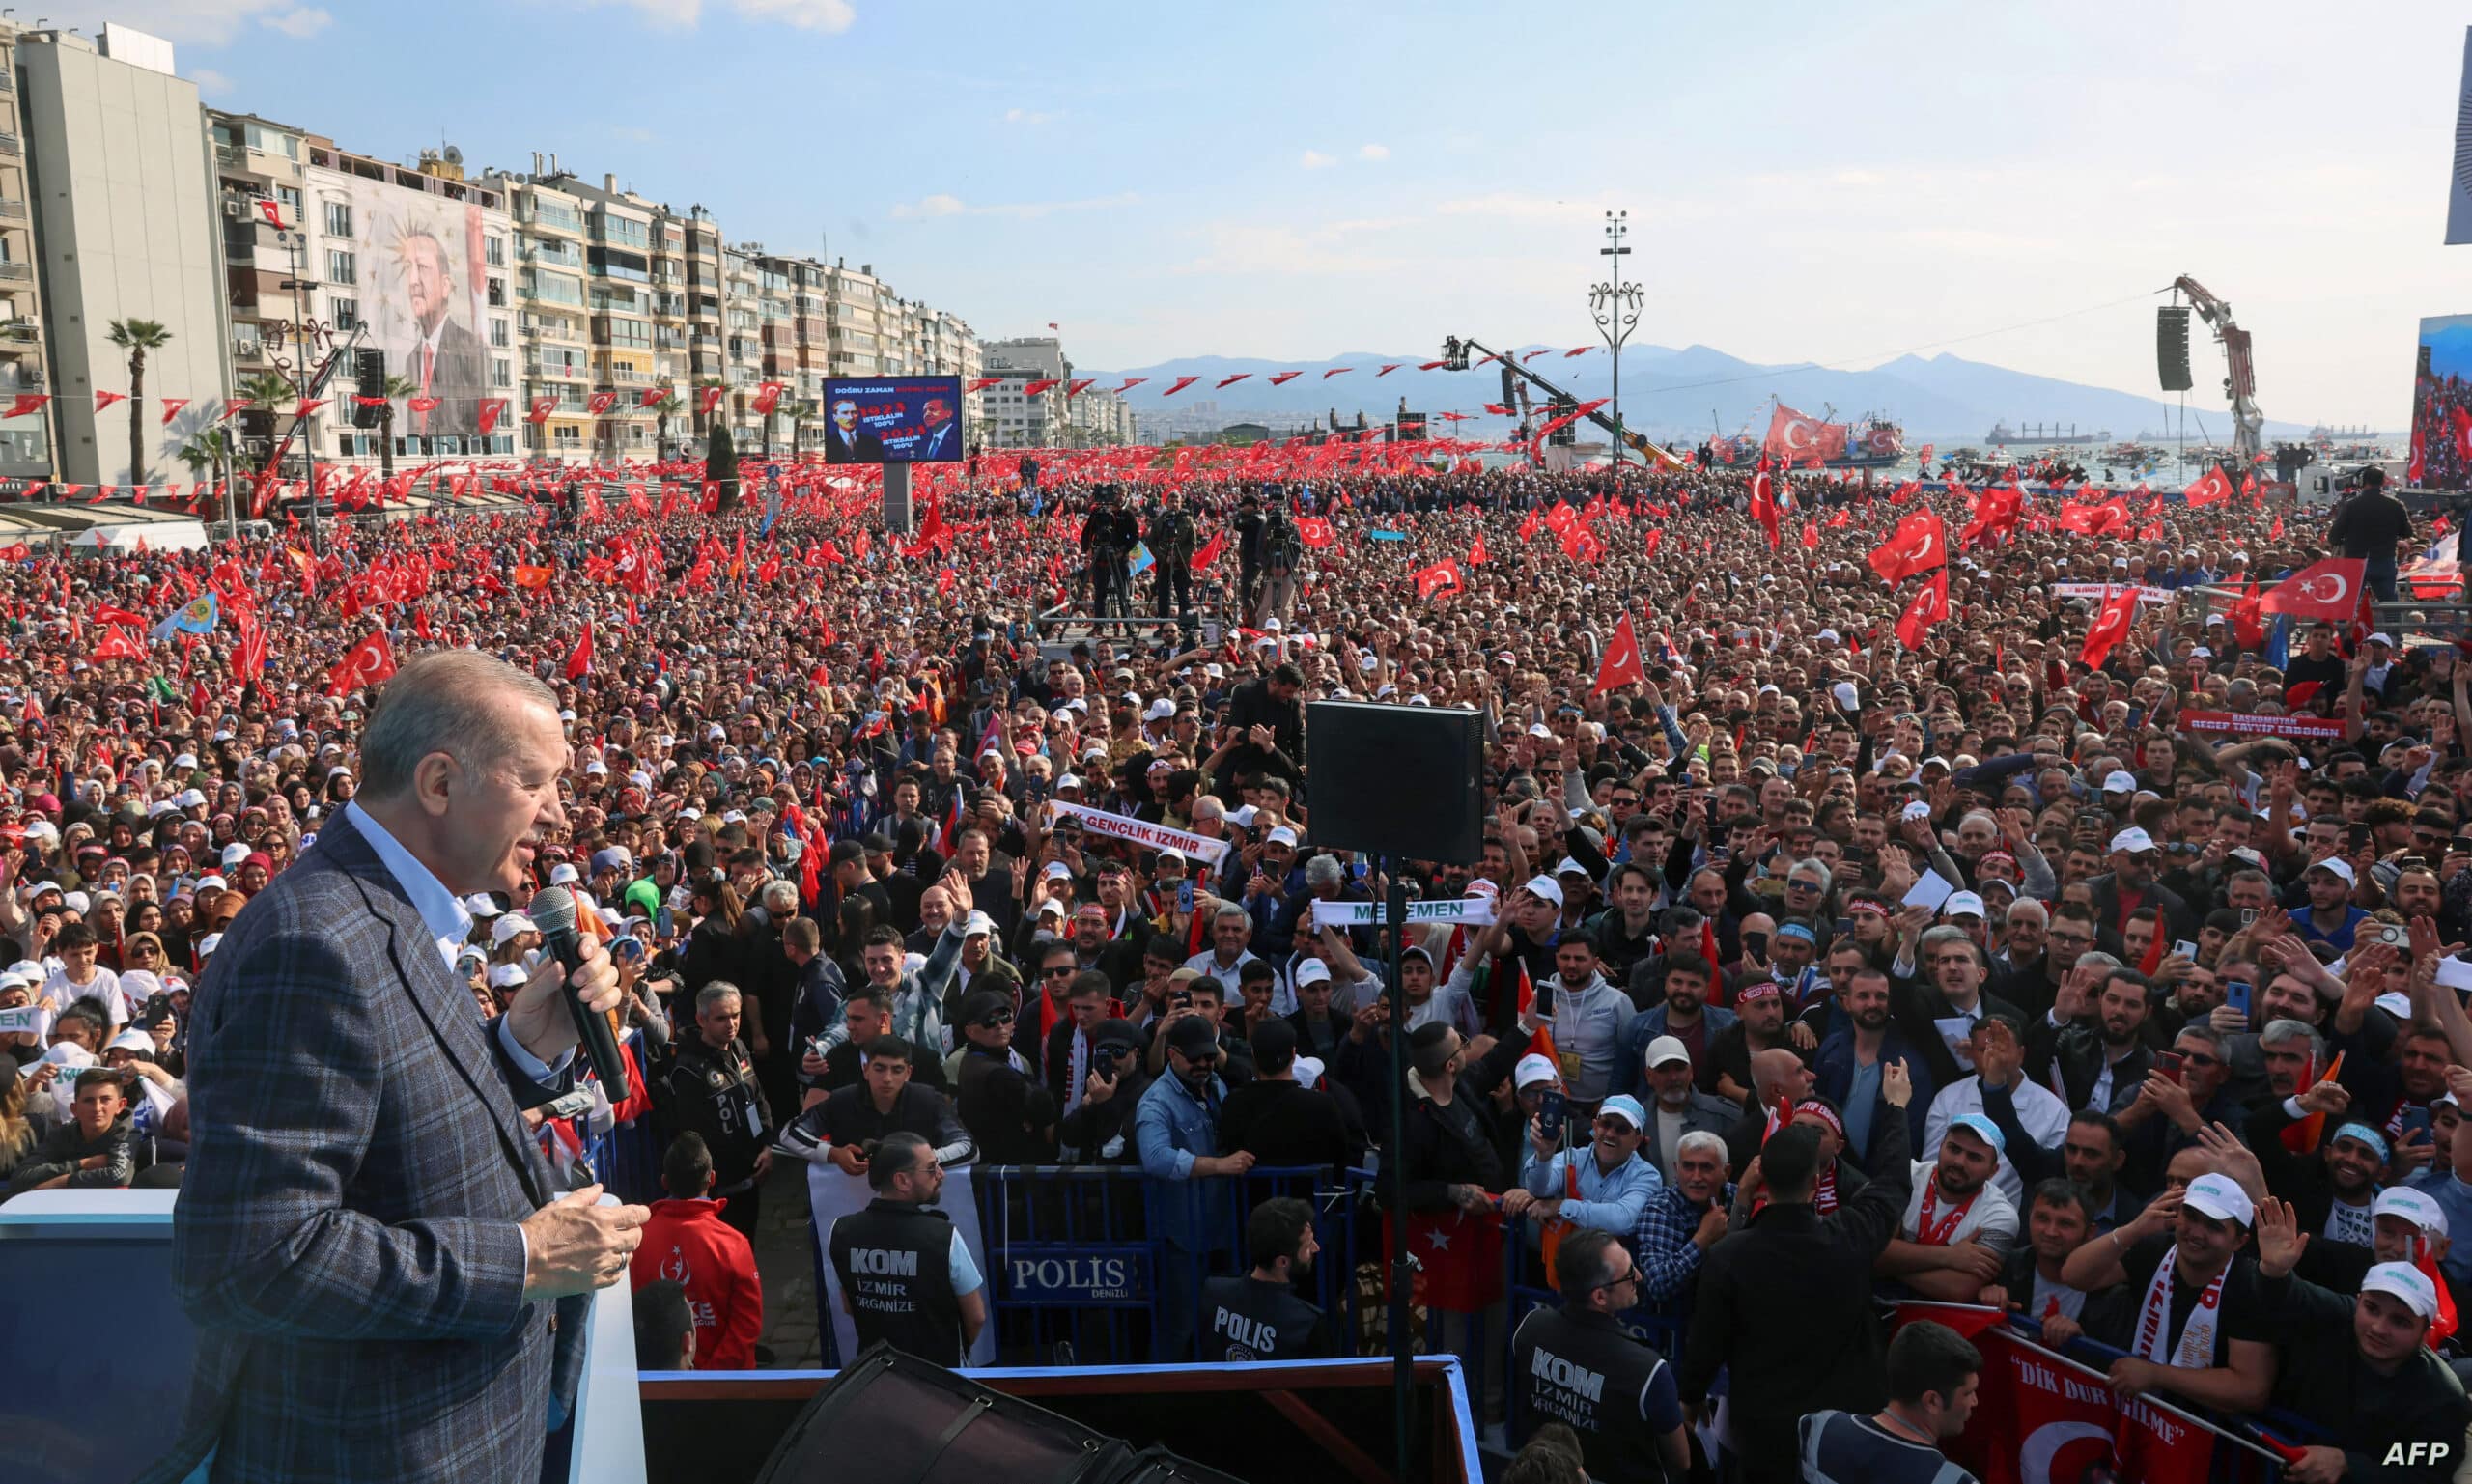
{"x":2044,"y":435}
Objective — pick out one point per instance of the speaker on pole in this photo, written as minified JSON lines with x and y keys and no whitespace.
{"x":2171,"y":347}
{"x":1404,"y":781}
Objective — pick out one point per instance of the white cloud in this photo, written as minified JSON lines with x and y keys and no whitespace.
{"x":187,"y":22}
{"x":1373,"y":153}
{"x":208,"y":80}
{"x":831,"y":16}
{"x":1030,"y":117}
{"x":941,"y":204}
{"x":1315,"y":159}
{"x":299,"y":24}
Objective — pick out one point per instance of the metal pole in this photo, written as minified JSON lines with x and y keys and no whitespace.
{"x":301,"y":374}
{"x":1615,"y":305}
{"x":1396,"y":1174}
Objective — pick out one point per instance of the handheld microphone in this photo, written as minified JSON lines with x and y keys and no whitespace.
{"x":553,"y":910}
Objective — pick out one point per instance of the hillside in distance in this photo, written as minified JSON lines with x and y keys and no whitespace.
{"x":1685,"y":393}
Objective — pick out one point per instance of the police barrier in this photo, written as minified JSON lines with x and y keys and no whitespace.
{"x":2244,"y":1451}
{"x":1101,"y":1265}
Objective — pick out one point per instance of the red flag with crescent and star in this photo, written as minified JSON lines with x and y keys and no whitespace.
{"x":2328,"y":590}
{"x":1622,"y":664}
{"x":368,"y":662}
{"x":1763,"y":505}
{"x":1929,"y":605}
{"x":1919,"y":543}
{"x":2111,"y":626}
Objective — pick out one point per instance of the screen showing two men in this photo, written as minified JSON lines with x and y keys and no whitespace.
{"x":892,"y":420}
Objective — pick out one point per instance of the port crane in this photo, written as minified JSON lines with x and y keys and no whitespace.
{"x":2248,"y":421}
{"x":1455,"y":356}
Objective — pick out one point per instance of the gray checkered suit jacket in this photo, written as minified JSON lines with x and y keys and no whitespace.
{"x":345,"y":1235}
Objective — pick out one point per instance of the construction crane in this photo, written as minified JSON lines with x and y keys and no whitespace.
{"x":2248,"y":422}
{"x":1456,"y":353}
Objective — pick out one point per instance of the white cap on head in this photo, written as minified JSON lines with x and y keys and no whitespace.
{"x":2334,"y":865}
{"x":2132,"y":840}
{"x":1280,"y":834}
{"x":2412,"y":1206}
{"x":1312,"y":971}
{"x":1547,"y":887}
{"x":503,"y":930}
{"x":1666,"y":1050}
{"x":2119,"y":782}
{"x":1962,"y":904}
{"x":1532,"y":1070}
{"x":507,"y":976}
{"x":2404,"y":1282}
{"x":2221,"y":1197}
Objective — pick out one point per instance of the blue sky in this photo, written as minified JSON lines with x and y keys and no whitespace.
{"x":1296,"y":180}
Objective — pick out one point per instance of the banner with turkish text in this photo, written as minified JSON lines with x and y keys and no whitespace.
{"x":2239,"y":725}
{"x":1156,"y":837}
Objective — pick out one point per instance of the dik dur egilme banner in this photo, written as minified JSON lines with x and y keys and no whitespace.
{"x":2237,"y":724}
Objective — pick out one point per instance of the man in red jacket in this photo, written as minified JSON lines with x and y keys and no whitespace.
{"x":686,"y":1243}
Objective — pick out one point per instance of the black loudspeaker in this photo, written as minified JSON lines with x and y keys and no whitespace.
{"x":1397,"y":780}
{"x":368,"y":373}
{"x":2171,"y":347}
{"x":893,"y":1418}
{"x":1510,"y":387}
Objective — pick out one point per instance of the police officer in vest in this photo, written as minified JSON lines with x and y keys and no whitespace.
{"x":1258,"y":1317}
{"x":907,"y":1276}
{"x":1579,"y":1366}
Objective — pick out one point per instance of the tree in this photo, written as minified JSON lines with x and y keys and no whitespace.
{"x":721,"y":465}
{"x":666,"y":407}
{"x":799,"y":411}
{"x":137,"y":337}
{"x":390,"y":388}
{"x":266,"y":394}
{"x":209,"y":456}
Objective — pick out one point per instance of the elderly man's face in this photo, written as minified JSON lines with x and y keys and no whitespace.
{"x":426,"y":280}
{"x":845,"y":415}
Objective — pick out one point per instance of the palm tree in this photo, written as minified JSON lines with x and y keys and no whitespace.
{"x":392,"y":387}
{"x":137,"y":337}
{"x":208,"y":454}
{"x":267,"y":393}
{"x":663,"y":409}
{"x":797,"y":411}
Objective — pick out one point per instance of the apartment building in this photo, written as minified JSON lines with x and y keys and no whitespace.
{"x":25,"y":443}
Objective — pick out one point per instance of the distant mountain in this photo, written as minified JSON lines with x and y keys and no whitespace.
{"x":1682,"y":394}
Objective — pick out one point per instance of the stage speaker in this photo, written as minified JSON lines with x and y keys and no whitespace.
{"x":1510,"y":387}
{"x":369,"y":375}
{"x":893,"y":1418}
{"x":2171,"y":347}
{"x":1397,"y":780}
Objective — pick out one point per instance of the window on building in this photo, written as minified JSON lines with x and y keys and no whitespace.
{"x":501,"y":372}
{"x":339,"y":218}
{"x":493,"y":251}
{"x":342,"y":267}
{"x":498,"y":332}
{"x":347,"y":314}
{"x":289,"y":197}
{"x":498,"y":293}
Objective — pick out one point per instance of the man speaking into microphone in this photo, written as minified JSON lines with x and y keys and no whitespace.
{"x":367,"y":1236}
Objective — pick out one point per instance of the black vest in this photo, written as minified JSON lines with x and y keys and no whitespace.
{"x":894,"y":1261}
{"x":1583,"y":1370}
{"x":1246,"y":1320}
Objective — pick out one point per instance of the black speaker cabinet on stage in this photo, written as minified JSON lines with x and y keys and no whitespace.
{"x":2171,"y":347}
{"x":893,"y":1418}
{"x":1397,"y":780}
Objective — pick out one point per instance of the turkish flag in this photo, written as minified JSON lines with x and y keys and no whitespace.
{"x":2461,"y":422}
{"x":366,"y":664}
{"x":2211,"y":489}
{"x":1315,"y":532}
{"x":116,"y":645}
{"x":1440,"y":578}
{"x":1622,"y":664}
{"x":1034,"y":388}
{"x":580,"y":659}
{"x":422,"y":405}
{"x":1181,"y":384}
{"x":1919,"y":543}
{"x":1477,"y":554}
{"x":541,"y":409}
{"x":172,"y":408}
{"x":1285,"y":377}
{"x":491,"y":409}
{"x":767,"y":397}
{"x":1763,"y":505}
{"x":708,"y":399}
{"x":105,"y":400}
{"x":651,"y":395}
{"x":2111,"y":626}
{"x":1928,"y":606}
{"x":1211,"y":551}
{"x":25,"y":402}
{"x":532,"y":578}
{"x":600,"y":403}
{"x":2328,"y":590}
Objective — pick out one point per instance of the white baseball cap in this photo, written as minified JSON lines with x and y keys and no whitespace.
{"x":2412,"y":1206}
{"x":1547,"y":887}
{"x":2335,"y":865}
{"x":503,"y":930}
{"x":507,"y":976}
{"x":1961,"y":904}
{"x":2405,"y":1283}
{"x":2118,"y":782}
{"x":1312,"y":971}
{"x":2133,"y":840}
{"x":1279,"y":835}
{"x":1666,"y":1050}
{"x":1532,"y":1069}
{"x":2221,"y":1197}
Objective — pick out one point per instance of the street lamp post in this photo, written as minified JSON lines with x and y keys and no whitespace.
{"x":1615,"y":305}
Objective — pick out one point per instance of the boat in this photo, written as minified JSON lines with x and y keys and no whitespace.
{"x":1873,"y":442}
{"x":2002,"y":434}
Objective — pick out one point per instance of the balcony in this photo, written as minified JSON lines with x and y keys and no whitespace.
{"x":20,"y":376}
{"x":15,"y":272}
{"x":19,"y":332}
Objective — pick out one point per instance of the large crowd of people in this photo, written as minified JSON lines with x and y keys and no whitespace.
{"x":1803,"y":967}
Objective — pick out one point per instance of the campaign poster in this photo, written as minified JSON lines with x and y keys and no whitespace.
{"x":421,"y":283}
{"x":892,"y":420}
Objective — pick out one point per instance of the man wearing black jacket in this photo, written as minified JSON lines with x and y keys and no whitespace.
{"x":2369,"y":526}
{"x":1281,"y":1124}
{"x":1267,"y":720}
{"x":1172,"y":546}
{"x":1787,"y":1301}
